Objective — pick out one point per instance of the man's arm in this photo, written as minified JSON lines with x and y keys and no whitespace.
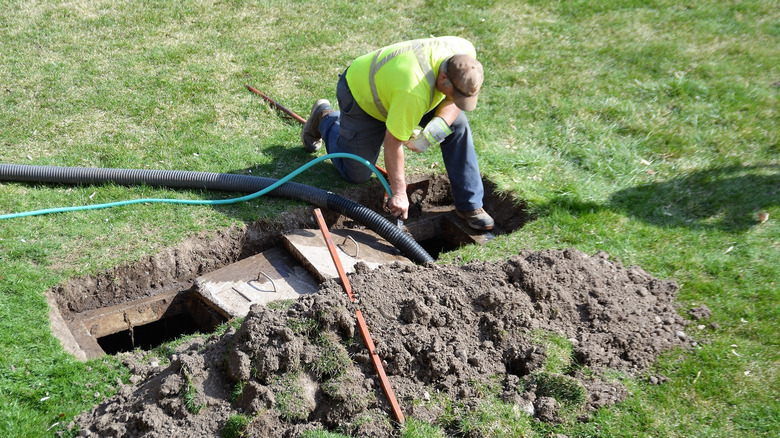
{"x":394,"y":163}
{"x":448,"y":111}
{"x":437,"y":128}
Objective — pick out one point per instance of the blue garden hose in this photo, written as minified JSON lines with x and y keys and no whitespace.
{"x":257,"y":194}
{"x":257,"y":186}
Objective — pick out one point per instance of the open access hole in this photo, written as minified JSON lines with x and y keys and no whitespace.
{"x":445,"y":232}
{"x":150,"y":335}
{"x":145,"y":323}
{"x":437,"y":228}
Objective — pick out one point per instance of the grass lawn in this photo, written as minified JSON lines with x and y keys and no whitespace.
{"x":646,"y":129}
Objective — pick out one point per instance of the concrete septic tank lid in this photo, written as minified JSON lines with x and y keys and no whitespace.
{"x":268,"y":276}
{"x":353,"y":246}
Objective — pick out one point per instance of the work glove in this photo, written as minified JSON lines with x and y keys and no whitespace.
{"x":434,"y":133}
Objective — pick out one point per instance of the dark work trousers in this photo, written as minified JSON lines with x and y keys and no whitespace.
{"x":353,"y":131}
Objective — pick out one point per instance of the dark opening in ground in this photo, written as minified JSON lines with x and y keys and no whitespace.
{"x":150,"y":335}
{"x":445,"y":232}
{"x":435,"y":246}
{"x":153,"y":321}
{"x":143,"y":323}
{"x":432,"y":220}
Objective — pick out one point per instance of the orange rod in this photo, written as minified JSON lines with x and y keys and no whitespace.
{"x":333,"y":254}
{"x":377,"y":362}
{"x":277,"y":104}
{"x":380,"y":370}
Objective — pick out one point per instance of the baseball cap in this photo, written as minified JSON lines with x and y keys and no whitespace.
{"x":466,"y":75}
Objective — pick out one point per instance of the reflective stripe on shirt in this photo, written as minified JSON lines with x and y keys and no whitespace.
{"x":418,"y":46}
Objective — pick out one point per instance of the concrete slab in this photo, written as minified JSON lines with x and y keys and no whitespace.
{"x":113,"y":319}
{"x":64,"y":333}
{"x":352,"y":245}
{"x":269,"y":276}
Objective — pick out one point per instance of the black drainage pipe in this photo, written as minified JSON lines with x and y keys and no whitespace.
{"x":222,"y":182}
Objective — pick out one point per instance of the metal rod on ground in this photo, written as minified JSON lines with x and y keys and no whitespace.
{"x":377,"y":362}
{"x":277,"y":104}
{"x":333,"y":254}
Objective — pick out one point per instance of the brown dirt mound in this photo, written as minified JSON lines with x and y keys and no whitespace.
{"x":441,"y":331}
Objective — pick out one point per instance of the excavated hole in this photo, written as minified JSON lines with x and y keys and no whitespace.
{"x":183,"y":313}
{"x":150,"y":335}
{"x":152,"y":301}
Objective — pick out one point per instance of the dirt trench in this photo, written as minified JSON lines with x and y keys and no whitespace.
{"x":544,"y":329}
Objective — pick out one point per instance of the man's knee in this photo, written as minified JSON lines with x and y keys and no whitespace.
{"x":356,"y":172}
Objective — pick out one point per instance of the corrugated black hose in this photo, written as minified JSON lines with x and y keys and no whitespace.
{"x":222,"y":182}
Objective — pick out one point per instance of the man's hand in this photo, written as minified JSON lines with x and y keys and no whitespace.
{"x":399,"y":205}
{"x":435,"y":131}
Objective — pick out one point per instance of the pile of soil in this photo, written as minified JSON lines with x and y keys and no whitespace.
{"x":441,"y":331}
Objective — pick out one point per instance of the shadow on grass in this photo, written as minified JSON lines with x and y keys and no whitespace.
{"x":727,"y":198}
{"x":284,"y":159}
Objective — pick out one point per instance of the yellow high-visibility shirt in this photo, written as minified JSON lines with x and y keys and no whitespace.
{"x":397,"y":84}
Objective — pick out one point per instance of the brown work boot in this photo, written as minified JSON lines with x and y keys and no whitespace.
{"x":312,"y":140}
{"x":477,"y":219}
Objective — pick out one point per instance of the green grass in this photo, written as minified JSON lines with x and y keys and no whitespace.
{"x":493,"y":418}
{"x":414,"y":428}
{"x":644,"y":129}
{"x":238,"y":389}
{"x":236,"y":426}
{"x":189,"y":394}
{"x":322,"y":434}
{"x":489,"y":417}
{"x":558,"y":351}
{"x":566,"y":390}
{"x":333,"y":359}
{"x":289,"y":395}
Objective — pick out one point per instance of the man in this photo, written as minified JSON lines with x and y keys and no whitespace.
{"x":384,"y":95}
